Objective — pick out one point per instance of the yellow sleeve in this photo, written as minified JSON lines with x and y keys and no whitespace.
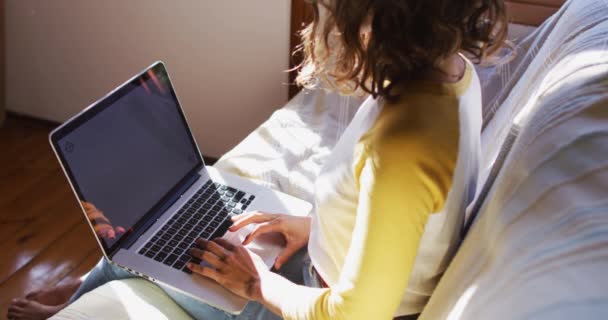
{"x":405,"y":180}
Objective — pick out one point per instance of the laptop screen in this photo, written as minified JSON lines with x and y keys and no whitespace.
{"x":128,"y":153}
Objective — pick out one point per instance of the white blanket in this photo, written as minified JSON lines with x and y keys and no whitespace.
{"x":571,"y":40}
{"x":287,"y":151}
{"x":539,"y":249}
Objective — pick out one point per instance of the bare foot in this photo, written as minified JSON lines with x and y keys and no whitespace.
{"x":56,"y":295}
{"x":23,"y":309}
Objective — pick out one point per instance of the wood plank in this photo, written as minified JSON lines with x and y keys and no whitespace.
{"x":23,"y":126}
{"x":17,"y":184}
{"x":50,"y":266}
{"x":26,"y":205}
{"x":22,"y":154}
{"x":44,"y":238}
{"x":29,"y":196}
{"x":87,"y":263}
{"x":19,"y":127}
{"x":24,"y":150}
{"x":30,"y":238}
{"x":28,"y":159}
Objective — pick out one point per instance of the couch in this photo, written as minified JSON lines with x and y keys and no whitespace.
{"x":537,"y":247}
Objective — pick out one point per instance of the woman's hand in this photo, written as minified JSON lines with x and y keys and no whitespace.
{"x":296,"y":231}
{"x":231,"y":265}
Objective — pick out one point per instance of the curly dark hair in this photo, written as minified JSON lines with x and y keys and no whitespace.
{"x":406,"y":37}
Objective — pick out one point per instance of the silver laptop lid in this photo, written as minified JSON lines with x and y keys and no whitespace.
{"x":128,"y":157}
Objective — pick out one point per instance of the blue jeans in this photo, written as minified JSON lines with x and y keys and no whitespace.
{"x":298,"y":270}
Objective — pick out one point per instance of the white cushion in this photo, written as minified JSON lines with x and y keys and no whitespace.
{"x":572,"y":39}
{"x":539,"y":249}
{"x":124,"y":299}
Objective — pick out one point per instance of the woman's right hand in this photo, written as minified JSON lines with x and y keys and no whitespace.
{"x":296,"y":231}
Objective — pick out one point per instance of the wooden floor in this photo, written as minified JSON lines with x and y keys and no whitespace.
{"x":44,"y":238}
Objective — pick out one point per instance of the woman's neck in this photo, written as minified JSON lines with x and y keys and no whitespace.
{"x":448,"y":70}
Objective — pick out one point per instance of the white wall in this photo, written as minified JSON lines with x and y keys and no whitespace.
{"x":226,"y":58}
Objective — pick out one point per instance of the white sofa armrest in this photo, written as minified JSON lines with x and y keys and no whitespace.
{"x":124,"y":299}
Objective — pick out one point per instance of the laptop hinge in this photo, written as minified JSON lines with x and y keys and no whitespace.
{"x":153,"y":217}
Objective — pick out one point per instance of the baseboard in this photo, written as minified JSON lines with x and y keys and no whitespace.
{"x":52,"y":124}
{"x":209,"y":161}
{"x":21,"y":116}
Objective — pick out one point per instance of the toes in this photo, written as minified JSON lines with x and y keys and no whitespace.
{"x":32,"y":295}
{"x":14,"y":308}
{"x":20,"y":302}
{"x":14,"y":313}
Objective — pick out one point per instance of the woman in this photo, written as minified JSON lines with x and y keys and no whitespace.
{"x":390,"y":197}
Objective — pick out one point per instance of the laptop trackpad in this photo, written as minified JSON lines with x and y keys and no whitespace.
{"x":267,"y":246}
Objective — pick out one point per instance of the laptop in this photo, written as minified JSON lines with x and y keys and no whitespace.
{"x":142,"y":183}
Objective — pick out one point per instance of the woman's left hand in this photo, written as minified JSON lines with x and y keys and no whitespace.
{"x":232,"y":266}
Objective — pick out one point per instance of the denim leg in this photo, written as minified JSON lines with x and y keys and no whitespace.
{"x":293,"y":270}
{"x":102,"y":273}
{"x":309,"y":274}
{"x":105,"y":272}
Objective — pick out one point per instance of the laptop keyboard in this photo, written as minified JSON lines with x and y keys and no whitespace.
{"x":206,"y":215}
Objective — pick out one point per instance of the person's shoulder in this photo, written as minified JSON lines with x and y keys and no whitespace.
{"x":409,"y":119}
{"x":410,"y":132}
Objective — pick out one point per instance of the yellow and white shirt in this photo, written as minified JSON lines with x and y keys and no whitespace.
{"x":390,"y":202}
